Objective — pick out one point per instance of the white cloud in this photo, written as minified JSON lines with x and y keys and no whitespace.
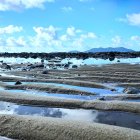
{"x":16,"y":42}
{"x":135,"y":38}
{"x":6,"y":5}
{"x":85,"y":0}
{"x":117,"y":41}
{"x":89,"y":35}
{"x":132,"y":19}
{"x":45,"y":39}
{"x":72,"y":31}
{"x":10,"y":29}
{"x":67,"y":9}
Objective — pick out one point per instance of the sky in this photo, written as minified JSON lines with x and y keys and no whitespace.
{"x":66,"y":25}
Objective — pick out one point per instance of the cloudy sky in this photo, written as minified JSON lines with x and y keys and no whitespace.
{"x":64,"y":25}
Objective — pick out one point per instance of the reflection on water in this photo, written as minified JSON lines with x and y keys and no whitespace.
{"x":89,"y":61}
{"x":132,"y":100}
{"x":4,"y":138}
{"x":101,"y":92}
{"x":72,"y":114}
{"x":124,"y":119}
{"x":65,"y":96}
{"x":94,"y":61}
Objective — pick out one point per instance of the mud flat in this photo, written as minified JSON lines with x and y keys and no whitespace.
{"x":39,"y":128}
{"x":111,"y":102}
{"x":50,"y":89}
{"x":67,"y":103}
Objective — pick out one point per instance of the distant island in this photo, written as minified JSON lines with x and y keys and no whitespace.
{"x":109,"y":49}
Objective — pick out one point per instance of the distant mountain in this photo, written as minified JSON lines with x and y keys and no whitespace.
{"x":74,"y":51}
{"x":109,"y":49}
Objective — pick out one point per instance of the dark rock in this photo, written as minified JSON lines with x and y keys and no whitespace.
{"x":111,"y":56}
{"x":131,"y":91}
{"x":18,"y":83}
{"x":66,"y":66}
{"x":74,"y":66}
{"x":70,"y":63}
{"x":102,"y":98}
{"x":36,"y":66}
{"x":5,"y":66}
{"x":24,"y":69}
{"x":45,"y":72}
{"x":42,"y":60}
{"x":118,"y":60}
{"x":113,"y":89}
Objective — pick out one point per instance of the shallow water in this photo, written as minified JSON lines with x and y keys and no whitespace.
{"x":124,"y":119}
{"x":66,"y":96}
{"x":101,"y":92}
{"x":9,"y":75}
{"x":93,"y":61}
{"x":132,"y":100}
{"x":89,"y":61}
{"x":4,"y":138}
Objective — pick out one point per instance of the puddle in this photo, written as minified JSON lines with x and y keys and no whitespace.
{"x":101,"y":92}
{"x":124,"y":119}
{"x":67,"y":96}
{"x":4,"y":138}
{"x":132,"y":100}
{"x":9,"y":75}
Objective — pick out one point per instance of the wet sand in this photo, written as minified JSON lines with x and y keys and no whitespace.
{"x":39,"y":128}
{"x":112,"y":78}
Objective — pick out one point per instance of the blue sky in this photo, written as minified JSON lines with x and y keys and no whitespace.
{"x":64,"y":25}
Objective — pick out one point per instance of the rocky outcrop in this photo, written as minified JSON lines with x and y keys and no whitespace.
{"x":131,"y":91}
{"x":18,"y":83}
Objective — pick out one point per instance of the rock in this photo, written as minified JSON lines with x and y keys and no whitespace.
{"x":118,"y":61}
{"x":111,"y":56}
{"x":70,"y":63}
{"x":113,"y":89}
{"x":6,"y":66}
{"x":18,"y":83}
{"x":45,"y":72}
{"x":102,"y":98}
{"x":42,"y":60}
{"x":131,"y":91}
{"x":36,"y":66}
{"x":74,"y":66}
{"x":24,"y":69}
{"x":66,"y":66}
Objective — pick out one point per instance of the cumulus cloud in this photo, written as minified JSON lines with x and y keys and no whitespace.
{"x":131,"y":19}
{"x":67,"y":9}
{"x":6,"y":5}
{"x":45,"y":39}
{"x":71,"y":31}
{"x":51,"y":38}
{"x":10,"y":29}
{"x":117,"y":41}
{"x":135,"y":38}
{"x":134,"y":19}
{"x":89,"y":35}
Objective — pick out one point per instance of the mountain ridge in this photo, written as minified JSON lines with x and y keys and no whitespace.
{"x":109,"y":49}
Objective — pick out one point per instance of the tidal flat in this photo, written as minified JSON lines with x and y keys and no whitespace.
{"x":43,"y":100}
